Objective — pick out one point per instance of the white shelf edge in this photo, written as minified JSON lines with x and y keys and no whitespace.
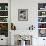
{"x":41,"y":22}
{"x":3,"y":22}
{"x":3,"y":16}
{"x":41,"y":28}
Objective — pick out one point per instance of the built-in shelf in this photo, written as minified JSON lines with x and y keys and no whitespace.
{"x":42,"y":19}
{"x":4,"y":19}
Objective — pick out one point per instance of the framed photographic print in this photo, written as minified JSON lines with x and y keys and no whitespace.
{"x":23,"y":14}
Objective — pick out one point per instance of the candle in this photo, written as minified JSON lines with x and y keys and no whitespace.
{"x":22,"y":43}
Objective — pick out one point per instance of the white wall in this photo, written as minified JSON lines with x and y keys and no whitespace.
{"x":32,"y":13}
{"x":32,"y":6}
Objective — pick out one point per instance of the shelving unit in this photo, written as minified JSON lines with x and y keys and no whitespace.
{"x":42,"y":19}
{"x":4,"y":19}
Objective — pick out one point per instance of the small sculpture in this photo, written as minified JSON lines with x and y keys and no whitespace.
{"x":31,"y":27}
{"x":13,"y":27}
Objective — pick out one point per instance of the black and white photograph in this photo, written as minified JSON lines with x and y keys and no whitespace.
{"x":23,"y":14}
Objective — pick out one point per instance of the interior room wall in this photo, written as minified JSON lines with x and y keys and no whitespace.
{"x":32,"y":6}
{"x":32,"y":13}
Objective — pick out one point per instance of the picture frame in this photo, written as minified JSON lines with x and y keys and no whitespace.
{"x":22,"y":14}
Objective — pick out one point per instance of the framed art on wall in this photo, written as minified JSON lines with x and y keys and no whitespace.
{"x":23,"y":14}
